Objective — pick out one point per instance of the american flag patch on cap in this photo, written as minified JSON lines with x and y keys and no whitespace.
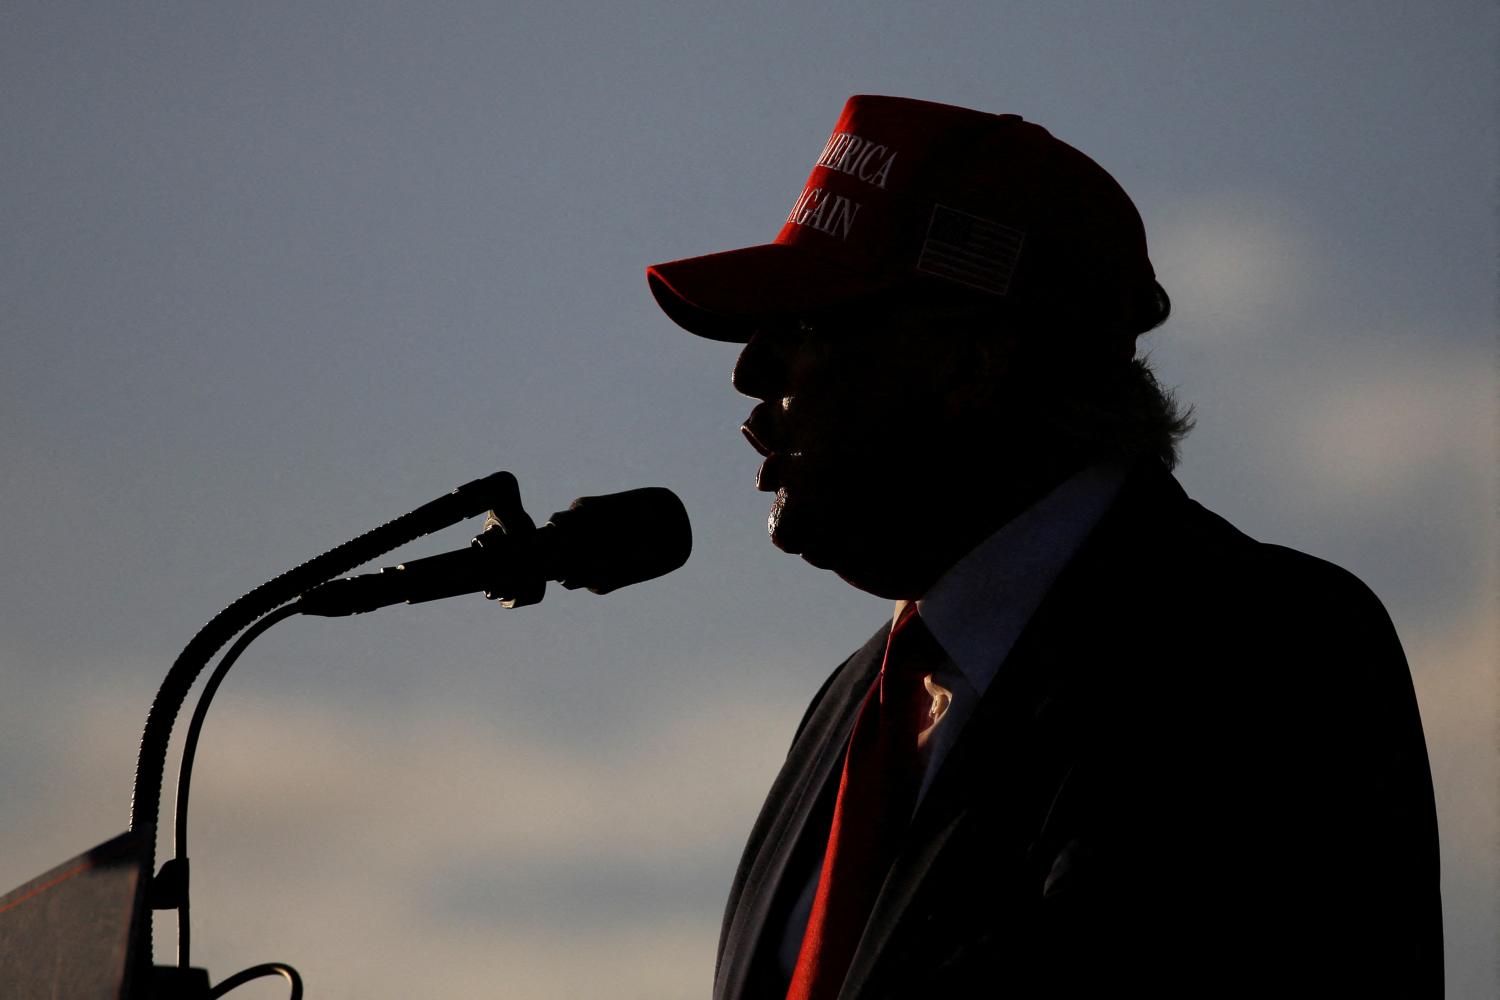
{"x":970,"y":250}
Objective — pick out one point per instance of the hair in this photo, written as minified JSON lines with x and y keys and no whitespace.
{"x":1081,"y":388}
{"x":1124,"y":410}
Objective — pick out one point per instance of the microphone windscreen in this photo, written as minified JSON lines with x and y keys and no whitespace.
{"x":604,"y":543}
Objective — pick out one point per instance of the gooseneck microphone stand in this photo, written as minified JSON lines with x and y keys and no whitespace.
{"x":169,"y":889}
{"x":174,"y":871}
{"x":84,"y":929}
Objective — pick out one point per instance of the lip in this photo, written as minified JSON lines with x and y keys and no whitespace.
{"x":764,"y":431}
{"x":768,"y":478}
{"x":761,"y":448}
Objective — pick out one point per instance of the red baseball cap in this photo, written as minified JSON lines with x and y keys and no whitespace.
{"x":936,"y":202}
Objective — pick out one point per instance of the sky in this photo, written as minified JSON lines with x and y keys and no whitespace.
{"x":275,"y":273}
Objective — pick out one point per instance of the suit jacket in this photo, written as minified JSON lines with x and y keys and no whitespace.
{"x":1199,"y":772}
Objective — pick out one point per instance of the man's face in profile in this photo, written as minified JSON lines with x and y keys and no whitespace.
{"x":868,"y":433}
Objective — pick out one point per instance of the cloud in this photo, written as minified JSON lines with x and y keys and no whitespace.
{"x":434,"y":853}
{"x":1459,"y":695}
{"x":1388,"y":424}
{"x":1230,"y":260}
{"x":671,"y":788}
{"x":437,"y":855}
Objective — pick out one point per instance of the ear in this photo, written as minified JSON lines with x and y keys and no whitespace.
{"x":992,"y":354}
{"x":978,"y":367}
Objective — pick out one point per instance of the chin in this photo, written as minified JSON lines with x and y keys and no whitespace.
{"x":800,"y":525}
{"x":862,"y":552}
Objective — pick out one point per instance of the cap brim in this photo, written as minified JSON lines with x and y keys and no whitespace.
{"x":723,"y":296}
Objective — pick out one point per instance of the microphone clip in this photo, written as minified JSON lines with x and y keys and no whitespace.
{"x":510,"y":522}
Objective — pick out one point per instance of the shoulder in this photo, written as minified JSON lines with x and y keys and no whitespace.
{"x":1287,"y":645}
{"x":1306,"y":606}
{"x":1264,"y":633}
{"x":1211,"y":565}
{"x":1318,"y":586}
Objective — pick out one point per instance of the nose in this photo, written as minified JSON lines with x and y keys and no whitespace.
{"x":763,"y":369}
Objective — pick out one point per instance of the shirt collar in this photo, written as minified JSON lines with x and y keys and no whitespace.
{"x":977,"y":609}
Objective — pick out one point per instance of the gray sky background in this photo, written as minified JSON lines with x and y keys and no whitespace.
{"x":273,"y":273}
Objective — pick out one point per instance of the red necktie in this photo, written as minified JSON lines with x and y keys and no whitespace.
{"x":877,"y":793}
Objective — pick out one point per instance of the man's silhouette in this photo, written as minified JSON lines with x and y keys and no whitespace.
{"x":1112,"y":746}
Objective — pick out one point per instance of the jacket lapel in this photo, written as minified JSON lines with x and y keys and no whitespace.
{"x":806,"y":780}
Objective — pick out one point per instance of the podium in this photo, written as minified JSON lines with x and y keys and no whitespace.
{"x":72,"y":932}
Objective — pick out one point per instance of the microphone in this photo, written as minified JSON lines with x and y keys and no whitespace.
{"x":599,"y":543}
